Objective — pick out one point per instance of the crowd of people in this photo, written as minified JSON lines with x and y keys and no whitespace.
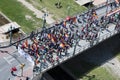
{"x":47,"y":46}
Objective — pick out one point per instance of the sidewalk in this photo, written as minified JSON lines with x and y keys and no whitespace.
{"x":82,"y":2}
{"x":26,"y":73}
{"x":98,"y":2}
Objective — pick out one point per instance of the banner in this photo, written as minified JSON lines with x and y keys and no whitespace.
{"x":25,"y":55}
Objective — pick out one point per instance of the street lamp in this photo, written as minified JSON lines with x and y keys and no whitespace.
{"x":44,"y":20}
{"x":10,"y":33}
{"x":76,"y":42}
{"x":68,"y":10}
{"x":22,"y":66}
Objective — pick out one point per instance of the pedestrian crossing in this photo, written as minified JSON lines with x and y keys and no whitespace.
{"x":9,"y":59}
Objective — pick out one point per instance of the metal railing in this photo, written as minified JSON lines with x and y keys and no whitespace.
{"x":83,"y":48}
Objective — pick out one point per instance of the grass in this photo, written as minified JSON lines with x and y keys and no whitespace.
{"x":118,"y":56}
{"x":90,"y":69}
{"x":17,"y":12}
{"x":58,"y":13}
{"x":100,"y":74}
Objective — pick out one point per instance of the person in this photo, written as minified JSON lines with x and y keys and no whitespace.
{"x":111,"y":6}
{"x":27,"y":78}
{"x":12,"y":72}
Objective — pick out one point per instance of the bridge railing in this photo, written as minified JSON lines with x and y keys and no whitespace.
{"x":80,"y":49}
{"x":97,"y":41}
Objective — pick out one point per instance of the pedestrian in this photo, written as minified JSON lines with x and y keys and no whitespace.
{"x":27,"y":78}
{"x":111,"y":5}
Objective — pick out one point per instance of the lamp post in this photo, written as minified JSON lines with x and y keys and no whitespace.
{"x":44,"y":20}
{"x":68,"y":11}
{"x":76,"y":42}
{"x":22,"y":66}
{"x":10,"y":33}
{"x":90,"y":4}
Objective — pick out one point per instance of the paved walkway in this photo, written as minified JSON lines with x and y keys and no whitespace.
{"x":82,"y":2}
{"x":37,"y":12}
{"x":98,"y":2}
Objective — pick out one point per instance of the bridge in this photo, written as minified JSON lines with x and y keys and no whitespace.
{"x":68,"y":38}
{"x":77,"y":35}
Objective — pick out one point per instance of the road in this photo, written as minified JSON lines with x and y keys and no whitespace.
{"x":7,"y":62}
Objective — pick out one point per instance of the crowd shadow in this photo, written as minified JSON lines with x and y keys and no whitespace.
{"x":93,"y":57}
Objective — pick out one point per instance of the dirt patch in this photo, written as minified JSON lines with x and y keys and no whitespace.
{"x":3,"y":20}
{"x":28,"y":17}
